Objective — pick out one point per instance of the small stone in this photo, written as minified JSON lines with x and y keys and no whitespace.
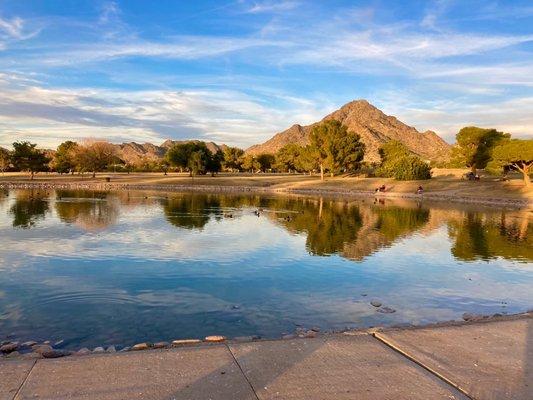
{"x":46,"y":342}
{"x":111,"y":349}
{"x":29,"y":344}
{"x":375,"y":303}
{"x":472,"y":317}
{"x":123,"y":350}
{"x":215,"y":338}
{"x":99,"y":350}
{"x":256,"y":337}
{"x":55,"y":353}
{"x":161,"y":345}
{"x":182,"y":342}
{"x":386,"y":310}
{"x":235,"y":307}
{"x":141,"y":346}
{"x":9,"y":348}
{"x":13,"y":354}
{"x":315,"y":329}
{"x":41,"y":348}
{"x":59,"y":343}
{"x":290,"y":336}
{"x":310,"y":334}
{"x":82,"y":352}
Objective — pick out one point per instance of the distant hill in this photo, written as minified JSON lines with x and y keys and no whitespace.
{"x":133,"y":153}
{"x":374,"y":127}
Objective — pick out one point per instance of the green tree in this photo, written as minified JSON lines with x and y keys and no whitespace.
{"x":474,"y":146}
{"x":26,"y":157}
{"x":334,"y":148}
{"x":5,"y":159}
{"x":393,"y":150}
{"x":514,"y":154}
{"x":266,"y":161}
{"x":306,"y":161}
{"x":287,"y":158}
{"x":197,"y":162}
{"x":249,"y":163}
{"x":178,"y":155}
{"x":348,"y":152}
{"x":232,"y":158}
{"x":195,"y":157}
{"x":399,"y":163}
{"x":214,"y":163}
{"x":65,"y":157}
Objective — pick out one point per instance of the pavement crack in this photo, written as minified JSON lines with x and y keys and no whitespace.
{"x":242,"y":371}
{"x":437,"y":374}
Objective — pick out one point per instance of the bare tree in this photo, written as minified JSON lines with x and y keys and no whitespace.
{"x":93,"y":156}
{"x":5,"y":159}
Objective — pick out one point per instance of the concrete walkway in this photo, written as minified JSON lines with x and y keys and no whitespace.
{"x":484,"y":360}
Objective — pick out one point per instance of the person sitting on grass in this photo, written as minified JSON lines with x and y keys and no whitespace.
{"x":420,"y":190}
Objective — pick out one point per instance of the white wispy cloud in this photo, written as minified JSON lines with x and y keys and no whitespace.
{"x":177,"y":47}
{"x":398,"y":46}
{"x":52,"y":115}
{"x":110,"y":12}
{"x":272,"y":6}
{"x":448,"y":116}
{"x":16,"y":28}
{"x":434,"y":12}
{"x":13,"y":27}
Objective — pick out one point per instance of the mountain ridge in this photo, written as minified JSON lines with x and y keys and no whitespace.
{"x":372,"y":125}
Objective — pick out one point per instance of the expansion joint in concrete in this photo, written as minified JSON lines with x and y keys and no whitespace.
{"x":242,"y":371}
{"x":421,"y":364}
{"x":16,"y":396}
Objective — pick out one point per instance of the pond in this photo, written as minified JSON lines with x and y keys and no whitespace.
{"x":118,"y":268}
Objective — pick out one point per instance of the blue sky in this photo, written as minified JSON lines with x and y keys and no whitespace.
{"x":239,"y":71}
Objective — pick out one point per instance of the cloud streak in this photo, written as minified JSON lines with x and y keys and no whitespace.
{"x":145,"y":115}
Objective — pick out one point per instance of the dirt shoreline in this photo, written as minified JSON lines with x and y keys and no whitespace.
{"x":217,"y":189}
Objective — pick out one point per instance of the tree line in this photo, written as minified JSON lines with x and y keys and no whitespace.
{"x":332,"y":149}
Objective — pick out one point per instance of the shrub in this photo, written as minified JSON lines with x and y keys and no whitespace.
{"x":411,"y":168}
{"x":399,"y":163}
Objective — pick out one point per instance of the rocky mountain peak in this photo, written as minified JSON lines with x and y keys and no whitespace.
{"x":373,"y":126}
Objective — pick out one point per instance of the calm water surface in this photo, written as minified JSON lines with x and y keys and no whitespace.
{"x":98,"y":268}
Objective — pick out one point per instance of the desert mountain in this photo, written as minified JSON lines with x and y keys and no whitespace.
{"x":374,"y":127}
{"x":134,"y":153}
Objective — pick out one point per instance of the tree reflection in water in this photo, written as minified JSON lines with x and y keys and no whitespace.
{"x":482,"y":236}
{"x":191,"y":211}
{"x":353,"y":229}
{"x":29,"y":207}
{"x":90,"y":210}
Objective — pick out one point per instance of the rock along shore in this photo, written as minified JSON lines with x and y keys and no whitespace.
{"x":36,"y":350}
